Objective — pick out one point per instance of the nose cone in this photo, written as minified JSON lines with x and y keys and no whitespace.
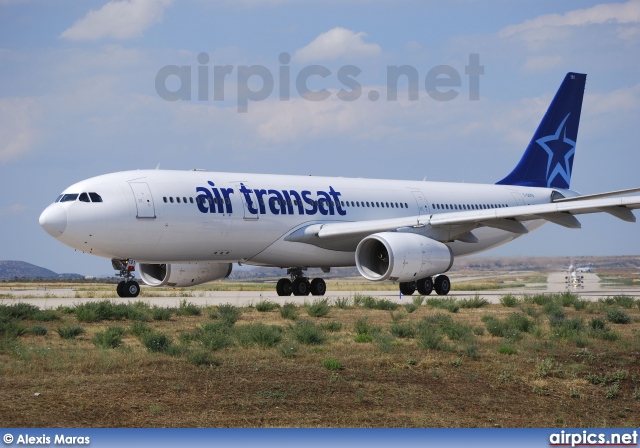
{"x":54,"y":220}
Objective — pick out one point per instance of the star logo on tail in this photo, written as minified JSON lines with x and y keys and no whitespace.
{"x":560,"y":149}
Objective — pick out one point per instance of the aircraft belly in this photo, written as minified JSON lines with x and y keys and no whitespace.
{"x":290,"y":254}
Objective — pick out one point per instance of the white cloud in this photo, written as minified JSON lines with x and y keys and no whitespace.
{"x":628,"y":12}
{"x":12,"y":209}
{"x":336,"y":43}
{"x":118,"y":20}
{"x":16,"y":128}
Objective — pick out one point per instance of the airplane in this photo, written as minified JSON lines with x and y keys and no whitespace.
{"x":184,"y":228}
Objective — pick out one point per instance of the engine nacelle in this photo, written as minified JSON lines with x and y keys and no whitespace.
{"x":183,"y":274}
{"x":401,"y":257}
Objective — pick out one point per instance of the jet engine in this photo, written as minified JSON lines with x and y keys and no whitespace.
{"x":401,"y":257}
{"x":183,"y":274}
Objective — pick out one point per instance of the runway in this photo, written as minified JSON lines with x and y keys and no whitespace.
{"x":52,"y":298}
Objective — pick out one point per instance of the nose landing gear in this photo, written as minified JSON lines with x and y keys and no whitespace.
{"x":127,"y":287}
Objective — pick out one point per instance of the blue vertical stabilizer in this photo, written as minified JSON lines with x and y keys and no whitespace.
{"x":548,"y":160}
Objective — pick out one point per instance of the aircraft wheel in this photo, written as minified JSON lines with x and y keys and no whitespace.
{"x":318,"y":287}
{"x":425,"y":286}
{"x":132,"y":289}
{"x":442,"y":285}
{"x":300,"y":287}
{"x":120,"y":289}
{"x":407,"y":288}
{"x":284,"y":287}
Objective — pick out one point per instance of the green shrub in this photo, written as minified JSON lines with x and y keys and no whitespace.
{"x":289,"y":311}
{"x":342,"y":303}
{"x":188,"y":309}
{"x":430,"y":337}
{"x":38,"y":330}
{"x":362,"y":326}
{"x":364,"y":337}
{"x":215,"y":336}
{"x":160,"y":313}
{"x":319,"y":308}
{"x":384,"y":341}
{"x":333,"y":326}
{"x":417,"y":300}
{"x":307,"y":332}
{"x":580,"y":304}
{"x":509,"y":301}
{"x":411,"y":307}
{"x":11,"y":328}
{"x":332,"y":364}
{"x":510,"y":328}
{"x":70,"y":331}
{"x":617,"y":316}
{"x":46,"y":316}
{"x":507,"y":350}
{"x":139,"y":329}
{"x":403,"y":330}
{"x":201,"y":357}
{"x":110,"y":338}
{"x":568,"y":298}
{"x":476,"y":302}
{"x":265,"y":306}
{"x":450,"y":305}
{"x":288,"y":349}
{"x":157,"y":342}
{"x":624,"y":301}
{"x":259,"y":334}
{"x":20,"y":311}
{"x":229,"y":313}
{"x":554,"y":310}
{"x":106,"y":310}
{"x":597,"y":324}
{"x":567,"y":328}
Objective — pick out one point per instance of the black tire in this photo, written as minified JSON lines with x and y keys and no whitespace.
{"x":407,"y":288}
{"x":301,"y":287}
{"x":318,"y":287}
{"x":425,"y":286}
{"x":120,"y":289}
{"x":442,"y":285}
{"x":132,"y":289}
{"x":284,"y":288}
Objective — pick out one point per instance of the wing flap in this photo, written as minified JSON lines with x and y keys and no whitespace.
{"x":503,"y":218}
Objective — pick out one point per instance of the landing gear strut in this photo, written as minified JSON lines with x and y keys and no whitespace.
{"x":441,"y":285}
{"x":127,"y":287}
{"x":299,"y":285}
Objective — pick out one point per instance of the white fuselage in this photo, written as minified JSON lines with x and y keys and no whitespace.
{"x":159,"y":216}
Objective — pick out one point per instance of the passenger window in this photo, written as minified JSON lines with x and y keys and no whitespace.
{"x":164,"y":199}
{"x":69,"y":197}
{"x":178,"y":199}
{"x":184,"y":199}
{"x":171,"y":199}
{"x":84,"y":197}
{"x":191,"y":200}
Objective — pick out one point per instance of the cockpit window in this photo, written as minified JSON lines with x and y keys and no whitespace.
{"x":58,"y":198}
{"x":84,"y":197}
{"x":69,"y":197}
{"x":95,"y":197}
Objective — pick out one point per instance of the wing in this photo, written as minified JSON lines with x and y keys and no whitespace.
{"x":561,"y":212}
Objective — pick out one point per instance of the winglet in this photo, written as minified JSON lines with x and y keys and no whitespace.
{"x":548,"y":160}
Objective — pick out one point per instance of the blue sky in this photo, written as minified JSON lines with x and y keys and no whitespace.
{"x":78,"y":98}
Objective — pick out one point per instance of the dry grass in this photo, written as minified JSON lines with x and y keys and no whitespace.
{"x":388,"y":382}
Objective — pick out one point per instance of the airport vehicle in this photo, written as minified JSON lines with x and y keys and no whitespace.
{"x":187,"y":227}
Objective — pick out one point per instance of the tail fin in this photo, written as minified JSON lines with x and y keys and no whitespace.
{"x":548,"y":160}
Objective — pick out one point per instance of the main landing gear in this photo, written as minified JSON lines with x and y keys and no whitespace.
{"x":127,"y":287}
{"x":441,"y":285}
{"x":299,"y":285}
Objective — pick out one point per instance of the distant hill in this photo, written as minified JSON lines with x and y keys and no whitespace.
{"x":10,"y":269}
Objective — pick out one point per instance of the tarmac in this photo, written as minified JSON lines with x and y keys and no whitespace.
{"x":589,"y":289}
